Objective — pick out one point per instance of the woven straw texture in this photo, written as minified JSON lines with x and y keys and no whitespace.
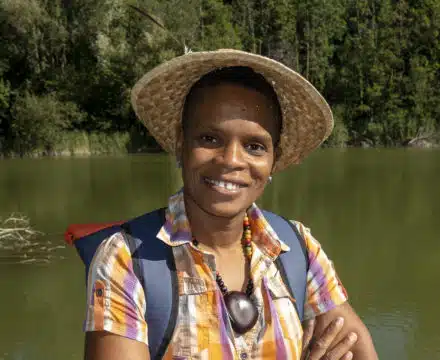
{"x":159,"y":96}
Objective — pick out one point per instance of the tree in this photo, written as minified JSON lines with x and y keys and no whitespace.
{"x":377,"y":62}
{"x":39,"y":122}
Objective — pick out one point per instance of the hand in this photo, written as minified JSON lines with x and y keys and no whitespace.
{"x":320,"y":348}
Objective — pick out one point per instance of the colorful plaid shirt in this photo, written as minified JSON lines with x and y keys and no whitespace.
{"x":116,"y":299}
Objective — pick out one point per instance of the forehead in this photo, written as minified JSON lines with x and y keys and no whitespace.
{"x":229,"y":101}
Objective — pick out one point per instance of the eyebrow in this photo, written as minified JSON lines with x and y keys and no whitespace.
{"x":263,"y":137}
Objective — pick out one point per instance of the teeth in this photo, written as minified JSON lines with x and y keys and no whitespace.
{"x":223,"y":184}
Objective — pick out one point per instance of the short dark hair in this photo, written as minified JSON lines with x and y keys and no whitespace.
{"x":240,"y":75}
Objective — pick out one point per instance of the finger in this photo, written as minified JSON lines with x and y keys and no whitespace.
{"x":320,"y":346}
{"x":305,"y":354}
{"x":347,"y":356}
{"x":342,"y":349}
{"x":309,"y":328}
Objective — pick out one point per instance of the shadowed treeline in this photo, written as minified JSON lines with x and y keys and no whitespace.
{"x":67,"y":67}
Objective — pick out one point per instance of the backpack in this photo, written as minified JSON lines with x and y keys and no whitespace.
{"x":153,"y":264}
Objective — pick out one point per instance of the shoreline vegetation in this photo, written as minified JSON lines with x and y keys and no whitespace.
{"x":82,"y":144}
{"x":67,"y":67}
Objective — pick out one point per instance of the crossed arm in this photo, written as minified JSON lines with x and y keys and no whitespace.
{"x":333,"y":340}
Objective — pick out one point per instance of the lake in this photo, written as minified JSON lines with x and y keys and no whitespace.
{"x":376,"y":212}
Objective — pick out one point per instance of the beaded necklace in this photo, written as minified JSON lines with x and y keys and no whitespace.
{"x":242,"y":311}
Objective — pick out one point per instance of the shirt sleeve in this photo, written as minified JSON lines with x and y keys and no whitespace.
{"x":324,"y":289}
{"x":115,"y":297}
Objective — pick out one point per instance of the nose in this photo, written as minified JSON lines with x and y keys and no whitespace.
{"x":232,"y":155}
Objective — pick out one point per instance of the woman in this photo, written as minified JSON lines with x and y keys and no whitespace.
{"x":232,"y":119}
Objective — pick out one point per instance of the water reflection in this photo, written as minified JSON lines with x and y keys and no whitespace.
{"x":375,"y":212}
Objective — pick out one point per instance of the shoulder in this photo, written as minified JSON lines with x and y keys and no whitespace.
{"x":317,"y":256}
{"x":113,"y":245}
{"x":112,"y":253}
{"x":300,"y":226}
{"x":115,"y":297}
{"x":310,"y":242}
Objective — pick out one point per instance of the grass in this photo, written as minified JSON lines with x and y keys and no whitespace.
{"x":81,"y":143}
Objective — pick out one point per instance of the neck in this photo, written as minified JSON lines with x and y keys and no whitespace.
{"x":215,"y":232}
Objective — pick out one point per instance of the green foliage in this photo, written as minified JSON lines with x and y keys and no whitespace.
{"x":39,"y":122}
{"x":5,"y":94}
{"x":339,"y":136}
{"x":216,"y":28}
{"x":376,"y":61}
{"x":116,"y":143}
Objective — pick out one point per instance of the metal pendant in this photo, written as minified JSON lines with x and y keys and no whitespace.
{"x":243,"y":313}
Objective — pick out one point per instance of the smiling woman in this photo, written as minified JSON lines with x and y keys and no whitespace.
{"x":231,"y":127}
{"x":232,"y":119}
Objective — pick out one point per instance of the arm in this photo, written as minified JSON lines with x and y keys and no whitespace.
{"x":115,"y":325}
{"x":363,"y":349}
{"x":327,"y":301}
{"x":102,"y":345}
{"x":327,"y":350}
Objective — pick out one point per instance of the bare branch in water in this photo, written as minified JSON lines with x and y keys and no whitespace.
{"x":21,"y":244}
{"x":16,"y":232}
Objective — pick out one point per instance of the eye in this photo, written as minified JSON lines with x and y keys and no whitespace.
{"x":256,"y":148}
{"x":208,"y":139}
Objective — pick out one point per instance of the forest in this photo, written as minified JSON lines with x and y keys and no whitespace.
{"x":67,"y":66}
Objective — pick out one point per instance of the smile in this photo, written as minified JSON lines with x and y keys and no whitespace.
{"x":227,"y":185}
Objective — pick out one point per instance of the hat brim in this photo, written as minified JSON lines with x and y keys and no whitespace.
{"x":159,"y":96}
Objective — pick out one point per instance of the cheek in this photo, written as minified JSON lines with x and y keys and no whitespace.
{"x":196,"y":157}
{"x":194,"y":161}
{"x":261,"y":170}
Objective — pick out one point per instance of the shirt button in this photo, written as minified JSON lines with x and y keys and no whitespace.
{"x":243,"y":356}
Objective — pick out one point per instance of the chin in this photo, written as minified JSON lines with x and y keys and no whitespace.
{"x":224,"y":210}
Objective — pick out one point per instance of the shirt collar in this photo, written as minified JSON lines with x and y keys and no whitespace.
{"x":177,"y":231}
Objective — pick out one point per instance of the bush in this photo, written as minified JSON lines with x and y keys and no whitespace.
{"x":39,"y":122}
{"x":114,"y":144}
{"x":339,"y":136}
{"x":5,"y":95}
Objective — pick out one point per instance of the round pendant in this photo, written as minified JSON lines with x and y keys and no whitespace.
{"x":242,"y":311}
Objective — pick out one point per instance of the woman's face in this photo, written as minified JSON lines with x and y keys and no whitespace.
{"x":227,"y":150}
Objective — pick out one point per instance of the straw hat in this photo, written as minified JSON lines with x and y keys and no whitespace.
{"x":158,"y":100}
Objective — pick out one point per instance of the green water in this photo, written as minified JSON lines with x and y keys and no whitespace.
{"x":376,"y":212}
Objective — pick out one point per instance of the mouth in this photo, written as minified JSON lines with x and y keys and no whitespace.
{"x":224,"y":186}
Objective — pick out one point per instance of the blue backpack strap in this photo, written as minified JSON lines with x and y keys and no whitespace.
{"x":294,"y":264}
{"x":153,"y":264}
